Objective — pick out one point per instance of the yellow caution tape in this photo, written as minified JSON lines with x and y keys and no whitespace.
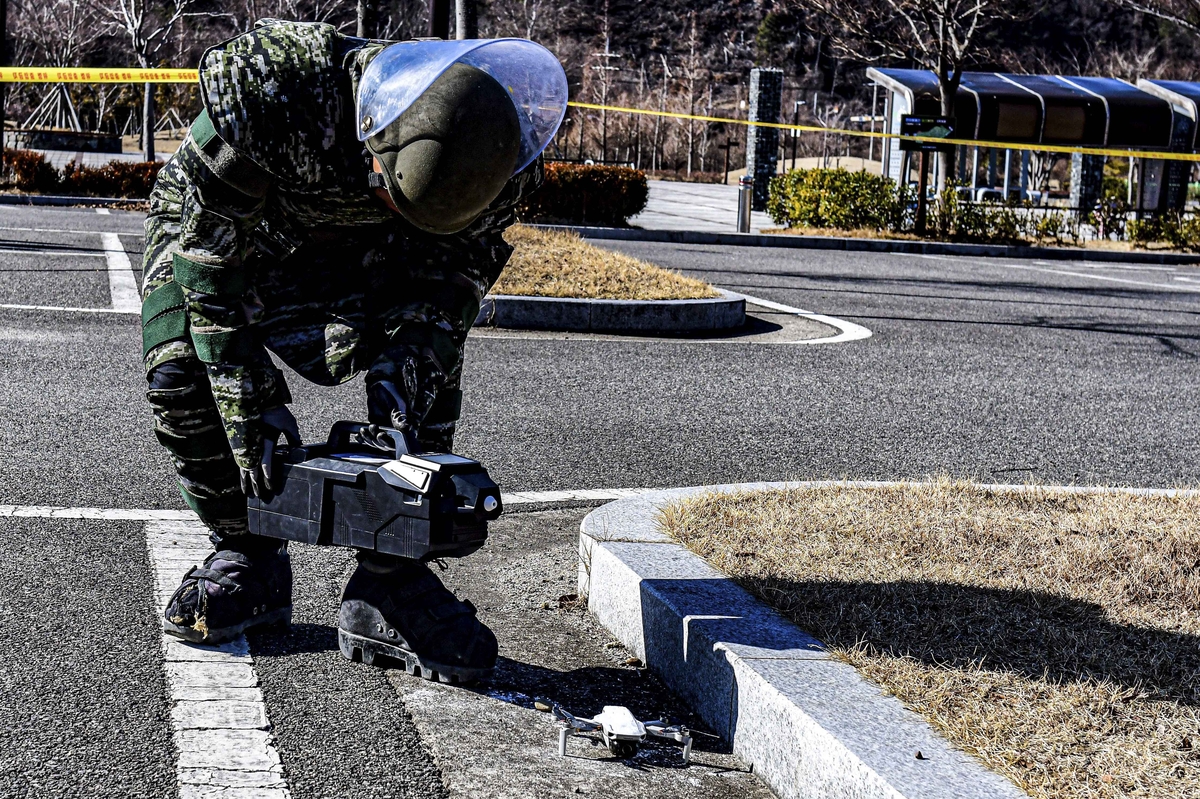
{"x":141,"y":75}
{"x":96,"y":75}
{"x":866,"y":134}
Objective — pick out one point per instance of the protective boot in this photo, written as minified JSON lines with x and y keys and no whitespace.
{"x":396,"y":612}
{"x":232,"y":592}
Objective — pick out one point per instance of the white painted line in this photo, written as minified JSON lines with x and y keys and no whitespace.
{"x":218,"y":718}
{"x":65,"y":230}
{"x":178,"y":553}
{"x":121,"y":285}
{"x":12,"y":307}
{"x":103,"y":211}
{"x":65,"y":253}
{"x":1105,"y":278}
{"x":849,"y":330}
{"x":153,"y":515}
{"x":99,"y":514}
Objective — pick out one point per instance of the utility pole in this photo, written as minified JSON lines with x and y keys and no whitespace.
{"x":466,"y":21}
{"x":439,"y":19}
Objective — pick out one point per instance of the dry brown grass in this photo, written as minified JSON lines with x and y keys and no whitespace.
{"x":556,"y":264}
{"x":835,"y":233}
{"x":1055,"y":636}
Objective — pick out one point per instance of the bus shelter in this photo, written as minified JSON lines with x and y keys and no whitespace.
{"x":1052,"y":110}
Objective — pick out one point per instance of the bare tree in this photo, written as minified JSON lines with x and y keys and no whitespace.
{"x":251,"y":11}
{"x":941,"y":35}
{"x":147,"y":26}
{"x":57,"y":33}
{"x":1184,"y":13}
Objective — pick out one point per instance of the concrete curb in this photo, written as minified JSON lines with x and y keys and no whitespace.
{"x":807,"y":722}
{"x":644,"y":316}
{"x":875,"y":245}
{"x":62,"y":199}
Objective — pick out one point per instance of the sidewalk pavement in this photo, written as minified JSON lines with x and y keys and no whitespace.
{"x":705,"y":207}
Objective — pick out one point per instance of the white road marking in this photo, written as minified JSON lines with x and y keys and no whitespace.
{"x":63,"y":253}
{"x":549,"y":497}
{"x":218,"y":719}
{"x":1105,"y":278}
{"x":849,"y":330}
{"x":155,"y":515}
{"x":121,"y":285}
{"x":103,"y":211}
{"x":139,"y":234}
{"x":1028,"y":268}
{"x":13,"y":307}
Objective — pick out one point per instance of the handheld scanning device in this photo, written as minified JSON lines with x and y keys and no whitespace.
{"x":371,"y":488}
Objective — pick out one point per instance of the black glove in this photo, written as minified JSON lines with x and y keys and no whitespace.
{"x":259,"y":481}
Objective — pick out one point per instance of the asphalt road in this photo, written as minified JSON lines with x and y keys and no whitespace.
{"x":1000,"y":370}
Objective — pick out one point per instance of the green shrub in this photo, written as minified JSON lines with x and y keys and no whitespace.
{"x":590,"y":194}
{"x":1178,"y":231}
{"x":836,"y":198}
{"x":29,"y":171}
{"x":115,"y":179}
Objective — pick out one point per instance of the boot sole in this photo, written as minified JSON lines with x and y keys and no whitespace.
{"x":377,"y":653}
{"x":280,"y":616}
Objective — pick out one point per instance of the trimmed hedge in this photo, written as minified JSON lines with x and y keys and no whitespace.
{"x":29,"y":171}
{"x":587,"y":194}
{"x":835,"y":198}
{"x":114,"y":179}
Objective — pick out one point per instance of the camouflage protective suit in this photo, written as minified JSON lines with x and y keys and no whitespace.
{"x":264,"y":235}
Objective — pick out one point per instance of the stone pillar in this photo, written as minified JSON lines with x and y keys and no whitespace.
{"x":1087,"y":177}
{"x":762,"y":144}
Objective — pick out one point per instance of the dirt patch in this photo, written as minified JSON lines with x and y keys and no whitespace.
{"x":558,"y":264}
{"x":1056,"y":636}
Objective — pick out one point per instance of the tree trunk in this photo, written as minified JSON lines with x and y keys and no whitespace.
{"x":366,"y":19}
{"x":945,"y":176}
{"x":148,"y":123}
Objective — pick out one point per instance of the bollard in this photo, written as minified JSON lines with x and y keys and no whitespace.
{"x":745,"y":201}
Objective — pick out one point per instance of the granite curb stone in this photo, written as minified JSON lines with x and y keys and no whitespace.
{"x":724,"y":312}
{"x":809,"y":724}
{"x":788,"y":241}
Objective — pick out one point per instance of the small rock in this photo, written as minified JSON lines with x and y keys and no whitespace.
{"x":635,"y":662}
{"x":545,"y":606}
{"x":921,"y":756}
{"x":542,"y":705}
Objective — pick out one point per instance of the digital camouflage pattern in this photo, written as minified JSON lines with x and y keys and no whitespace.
{"x":317,"y":270}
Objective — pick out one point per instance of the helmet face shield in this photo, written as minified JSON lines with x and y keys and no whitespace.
{"x":452,"y":150}
{"x":532,"y":76}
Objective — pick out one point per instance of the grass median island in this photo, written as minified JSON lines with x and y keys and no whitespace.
{"x":559,"y":264}
{"x":1055,"y":636}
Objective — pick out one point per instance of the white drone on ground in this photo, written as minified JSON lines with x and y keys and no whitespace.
{"x":621,"y":732}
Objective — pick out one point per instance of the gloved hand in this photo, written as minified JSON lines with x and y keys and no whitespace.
{"x":259,"y":480}
{"x":402,"y":387}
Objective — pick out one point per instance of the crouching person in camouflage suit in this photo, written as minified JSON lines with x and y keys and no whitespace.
{"x":274,"y":229}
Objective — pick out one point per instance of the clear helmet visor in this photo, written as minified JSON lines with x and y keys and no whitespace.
{"x":532,"y":75}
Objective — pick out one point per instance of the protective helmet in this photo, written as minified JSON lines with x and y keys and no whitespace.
{"x":451,"y":121}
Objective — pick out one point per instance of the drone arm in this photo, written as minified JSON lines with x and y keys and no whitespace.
{"x":680,"y":734}
{"x":562,"y":740}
